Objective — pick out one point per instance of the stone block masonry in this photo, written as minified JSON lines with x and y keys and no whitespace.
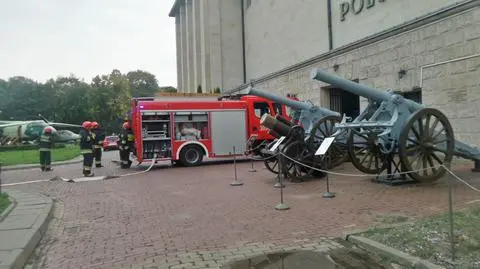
{"x":454,"y":87}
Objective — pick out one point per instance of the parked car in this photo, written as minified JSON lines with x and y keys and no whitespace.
{"x":111,"y":143}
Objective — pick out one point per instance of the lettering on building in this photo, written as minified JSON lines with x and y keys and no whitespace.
{"x":356,"y":6}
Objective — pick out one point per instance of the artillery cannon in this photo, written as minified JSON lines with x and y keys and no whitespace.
{"x":302,"y":139}
{"x":391,"y":126}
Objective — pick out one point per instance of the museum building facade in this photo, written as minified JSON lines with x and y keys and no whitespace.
{"x":428,"y":51}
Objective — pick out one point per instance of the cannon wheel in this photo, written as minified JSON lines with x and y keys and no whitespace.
{"x":425,"y":129}
{"x":323,"y":128}
{"x":271,"y":163}
{"x":364,"y":154}
{"x":298,"y":151}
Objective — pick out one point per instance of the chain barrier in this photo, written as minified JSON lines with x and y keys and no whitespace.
{"x":259,"y":145}
{"x":352,"y":175}
{"x":366,"y":175}
{"x":461,"y":180}
{"x":264,"y":159}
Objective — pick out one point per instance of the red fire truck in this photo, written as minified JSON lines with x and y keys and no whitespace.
{"x":188,"y":130}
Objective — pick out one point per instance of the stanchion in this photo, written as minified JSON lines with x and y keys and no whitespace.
{"x":323,"y":152}
{"x":252,"y":170}
{"x":281,"y":205}
{"x":327,"y":194}
{"x":450,"y":216}
{"x":279,"y":183}
{"x":235,"y":182}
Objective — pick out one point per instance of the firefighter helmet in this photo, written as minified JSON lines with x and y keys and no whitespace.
{"x":126,"y":125}
{"x":48,"y":130}
{"x":86,"y":124}
{"x":95,"y":124}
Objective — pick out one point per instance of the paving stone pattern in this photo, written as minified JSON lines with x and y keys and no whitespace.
{"x":22,"y":228}
{"x":151,"y":218}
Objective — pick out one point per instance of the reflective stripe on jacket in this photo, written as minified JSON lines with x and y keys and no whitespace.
{"x":46,"y":142}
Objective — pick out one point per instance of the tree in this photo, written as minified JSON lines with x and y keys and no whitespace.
{"x":167,"y":89}
{"x":68,"y":99}
{"x":109,"y":98}
{"x":142,"y":83}
{"x":21,"y":99}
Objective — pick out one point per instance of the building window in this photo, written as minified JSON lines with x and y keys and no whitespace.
{"x":415,"y":96}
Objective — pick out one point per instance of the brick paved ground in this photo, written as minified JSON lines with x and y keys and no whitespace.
{"x":168,"y":214}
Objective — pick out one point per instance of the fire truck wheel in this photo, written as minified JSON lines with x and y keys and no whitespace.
{"x":191,"y":155}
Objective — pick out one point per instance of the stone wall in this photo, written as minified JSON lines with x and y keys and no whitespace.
{"x":366,"y":17}
{"x":280,"y":33}
{"x":454,"y":88}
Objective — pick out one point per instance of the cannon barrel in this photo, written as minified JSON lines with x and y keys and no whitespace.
{"x":289,"y":102}
{"x":277,"y":126}
{"x":284,"y":120}
{"x":279,"y":99}
{"x":359,"y":89}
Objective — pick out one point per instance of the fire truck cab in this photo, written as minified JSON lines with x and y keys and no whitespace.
{"x":187,"y":130}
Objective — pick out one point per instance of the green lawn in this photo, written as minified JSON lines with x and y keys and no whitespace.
{"x":429,"y":238}
{"x":32,"y":156}
{"x":4,"y":202}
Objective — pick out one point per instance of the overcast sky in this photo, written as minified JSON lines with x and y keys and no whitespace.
{"x":42,"y":39}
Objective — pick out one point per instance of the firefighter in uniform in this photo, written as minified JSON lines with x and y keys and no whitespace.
{"x":86,"y":148}
{"x":126,"y":145}
{"x":97,"y":147}
{"x":46,"y":145}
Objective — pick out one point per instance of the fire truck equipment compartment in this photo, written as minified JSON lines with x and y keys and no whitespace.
{"x":228,"y":130}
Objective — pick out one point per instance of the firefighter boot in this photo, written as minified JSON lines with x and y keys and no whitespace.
{"x":98,"y":157}
{"x":42,"y":160}
{"x":87,"y":164}
{"x":48,"y":161}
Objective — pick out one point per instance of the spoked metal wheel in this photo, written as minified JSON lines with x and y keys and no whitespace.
{"x":364,"y":154}
{"x":271,"y":163}
{"x":426,"y":142}
{"x":297,"y":150}
{"x":325,"y":127}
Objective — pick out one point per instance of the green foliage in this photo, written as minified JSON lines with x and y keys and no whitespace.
{"x":26,"y":147}
{"x":33,"y":156}
{"x":167,"y":89}
{"x":217,"y":90}
{"x":4,"y":202}
{"x":142,"y":84}
{"x":199,"y":88}
{"x":429,"y":238}
{"x":69,"y":99}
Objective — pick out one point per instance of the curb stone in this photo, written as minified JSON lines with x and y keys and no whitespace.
{"x":394,"y":254}
{"x":22,"y":229}
{"x":31,"y":166}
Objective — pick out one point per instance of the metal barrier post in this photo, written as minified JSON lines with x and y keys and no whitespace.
{"x":235,"y":182}
{"x":252,"y":170}
{"x":281,"y":205}
{"x":450,"y":216}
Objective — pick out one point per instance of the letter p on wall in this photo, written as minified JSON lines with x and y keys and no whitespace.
{"x":356,"y":6}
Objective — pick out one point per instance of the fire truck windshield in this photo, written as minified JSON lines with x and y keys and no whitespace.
{"x":261,"y":108}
